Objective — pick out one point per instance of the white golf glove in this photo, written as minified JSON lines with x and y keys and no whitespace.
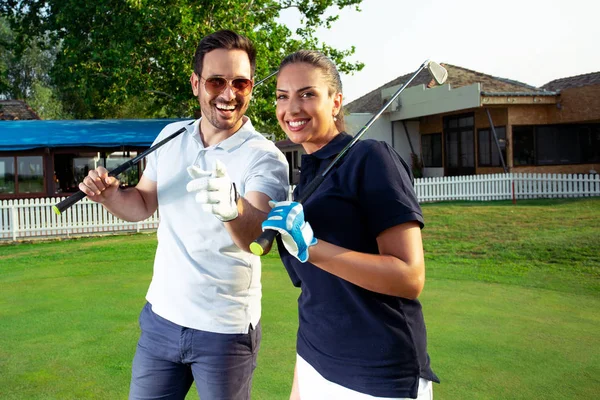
{"x":287,"y":218}
{"x":215,"y":191}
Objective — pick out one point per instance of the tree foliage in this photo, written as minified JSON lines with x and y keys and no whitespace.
{"x":135,"y":56}
{"x":21,"y":65}
{"x":24,"y":72}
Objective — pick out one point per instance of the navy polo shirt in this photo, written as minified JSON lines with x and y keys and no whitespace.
{"x":365,"y":341}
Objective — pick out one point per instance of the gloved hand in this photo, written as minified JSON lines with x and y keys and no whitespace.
{"x":214,"y":191}
{"x":287,"y":218}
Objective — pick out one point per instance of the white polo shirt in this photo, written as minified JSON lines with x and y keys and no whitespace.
{"x":201,"y":279}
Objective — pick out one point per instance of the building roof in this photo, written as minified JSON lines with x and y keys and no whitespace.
{"x":573,"y":81}
{"x":11,"y":110}
{"x":26,"y":135}
{"x":457,"y":77}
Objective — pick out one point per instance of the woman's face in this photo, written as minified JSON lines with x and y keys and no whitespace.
{"x":305,"y":110}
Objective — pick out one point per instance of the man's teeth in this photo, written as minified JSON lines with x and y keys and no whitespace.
{"x":295,"y":124}
{"x":225,"y":107}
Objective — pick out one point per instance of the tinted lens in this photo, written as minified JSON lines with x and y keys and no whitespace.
{"x":243,"y":86}
{"x":216,"y":85}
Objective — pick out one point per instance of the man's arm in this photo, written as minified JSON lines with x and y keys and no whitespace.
{"x":132,"y":204}
{"x":252,"y":211}
{"x":217,"y":194}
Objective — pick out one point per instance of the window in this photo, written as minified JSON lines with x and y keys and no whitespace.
{"x":589,"y":140}
{"x":30,"y":174}
{"x":71,"y":168}
{"x":523,"y":145}
{"x":487,"y":148}
{"x":556,"y":144}
{"x":129,"y":177}
{"x":460,"y":149}
{"x":7,"y":175}
{"x":21,"y":175}
{"x":431,"y":150}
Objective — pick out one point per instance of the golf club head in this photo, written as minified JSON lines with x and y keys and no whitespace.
{"x":438,"y":72}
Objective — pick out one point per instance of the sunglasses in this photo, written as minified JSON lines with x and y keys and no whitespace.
{"x":216,"y":85}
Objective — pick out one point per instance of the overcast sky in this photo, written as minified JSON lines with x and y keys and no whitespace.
{"x":531,"y":41}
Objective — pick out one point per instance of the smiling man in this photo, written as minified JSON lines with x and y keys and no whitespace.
{"x":211,"y":185}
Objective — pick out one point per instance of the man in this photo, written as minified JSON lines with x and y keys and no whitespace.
{"x":211,"y":185}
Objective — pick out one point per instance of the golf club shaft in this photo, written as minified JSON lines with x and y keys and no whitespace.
{"x":265,"y":240}
{"x":79,"y":195}
{"x":267,"y":77}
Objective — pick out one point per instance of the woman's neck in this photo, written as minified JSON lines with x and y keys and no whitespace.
{"x":311,"y":147}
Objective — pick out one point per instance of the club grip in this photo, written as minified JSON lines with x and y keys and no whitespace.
{"x":68,"y":202}
{"x":263,"y":242}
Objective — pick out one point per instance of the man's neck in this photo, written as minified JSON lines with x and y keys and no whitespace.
{"x":211,"y":135}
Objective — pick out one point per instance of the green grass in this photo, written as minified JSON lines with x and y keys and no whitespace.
{"x":511,"y":302}
{"x":550,"y":244}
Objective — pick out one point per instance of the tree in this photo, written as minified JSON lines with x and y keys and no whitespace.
{"x":24,"y":69}
{"x":115,"y":52}
{"x":5,"y":56}
{"x":45,"y":103}
{"x":21,"y":64}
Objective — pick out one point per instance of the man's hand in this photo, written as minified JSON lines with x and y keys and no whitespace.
{"x":287,"y":218}
{"x":214,"y":190}
{"x":98,"y":186}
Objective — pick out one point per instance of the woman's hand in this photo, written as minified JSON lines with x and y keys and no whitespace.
{"x":287,"y":218}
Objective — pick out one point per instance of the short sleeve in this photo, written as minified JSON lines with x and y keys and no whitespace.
{"x":386,"y":189}
{"x":269,"y":175}
{"x":150,"y":170}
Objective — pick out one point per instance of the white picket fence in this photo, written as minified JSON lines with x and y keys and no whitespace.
{"x":506,"y":186}
{"x":29,"y":218}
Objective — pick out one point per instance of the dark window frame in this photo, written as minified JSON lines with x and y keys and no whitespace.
{"x":432,"y":161}
{"x":17,"y":192}
{"x":457,"y":124}
{"x":572,"y":144}
{"x":492,"y":146}
{"x":104,"y":152}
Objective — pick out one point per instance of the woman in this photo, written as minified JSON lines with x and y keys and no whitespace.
{"x":361,"y":333}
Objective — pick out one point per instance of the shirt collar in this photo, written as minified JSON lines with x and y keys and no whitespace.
{"x":334,"y":146}
{"x":239,"y":137}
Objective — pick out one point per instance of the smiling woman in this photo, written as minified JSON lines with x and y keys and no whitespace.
{"x":310,"y":114}
{"x":340,"y":246}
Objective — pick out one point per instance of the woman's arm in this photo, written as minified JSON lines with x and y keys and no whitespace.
{"x":398,"y":269}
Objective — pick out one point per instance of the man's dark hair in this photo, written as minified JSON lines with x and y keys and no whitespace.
{"x":224,"y":39}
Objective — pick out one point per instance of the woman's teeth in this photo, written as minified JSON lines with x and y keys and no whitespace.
{"x":295,"y":124}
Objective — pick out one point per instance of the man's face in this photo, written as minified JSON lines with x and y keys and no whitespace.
{"x":224,"y":110}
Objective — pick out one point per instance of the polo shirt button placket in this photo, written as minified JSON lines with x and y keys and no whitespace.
{"x":201,"y":159}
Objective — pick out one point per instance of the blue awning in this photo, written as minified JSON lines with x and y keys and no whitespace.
{"x":25,"y":135}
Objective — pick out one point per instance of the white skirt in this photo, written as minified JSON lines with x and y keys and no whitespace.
{"x":312,"y":386}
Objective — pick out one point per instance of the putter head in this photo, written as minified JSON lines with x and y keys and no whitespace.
{"x":437,"y":72}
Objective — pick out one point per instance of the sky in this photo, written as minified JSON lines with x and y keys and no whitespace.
{"x":530,"y":41}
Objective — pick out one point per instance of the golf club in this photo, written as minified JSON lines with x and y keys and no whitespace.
{"x":77,"y":196}
{"x":265,"y":240}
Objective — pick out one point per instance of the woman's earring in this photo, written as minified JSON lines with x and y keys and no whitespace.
{"x":334,"y":119}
